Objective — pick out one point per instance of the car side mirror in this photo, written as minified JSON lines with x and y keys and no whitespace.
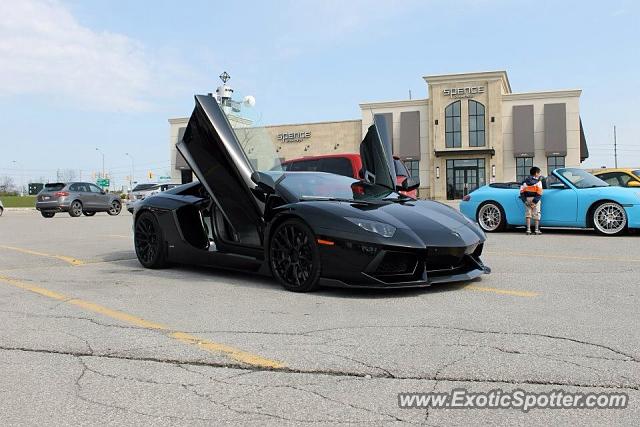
{"x":264,"y":182}
{"x":103,"y":192}
{"x":635,"y":184}
{"x":557,"y":186}
{"x":410,"y":183}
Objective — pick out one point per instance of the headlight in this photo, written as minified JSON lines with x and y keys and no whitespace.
{"x":380,"y":228}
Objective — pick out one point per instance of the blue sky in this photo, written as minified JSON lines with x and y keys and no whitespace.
{"x":81,"y":74}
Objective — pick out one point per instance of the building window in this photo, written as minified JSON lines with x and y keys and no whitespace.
{"x":452,"y":133}
{"x":413,"y":166}
{"x":554,"y":162}
{"x":523,"y":165}
{"x":476,"y":124}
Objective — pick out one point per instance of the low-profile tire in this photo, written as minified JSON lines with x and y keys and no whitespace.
{"x":149,"y":241}
{"x":75,"y":209}
{"x":294,"y":257}
{"x":491,"y":217}
{"x":609,"y":219}
{"x":115,"y":208}
{"x":47,"y":214}
{"x":88,"y":213}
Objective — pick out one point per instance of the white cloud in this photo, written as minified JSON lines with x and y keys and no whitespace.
{"x":44,"y":50}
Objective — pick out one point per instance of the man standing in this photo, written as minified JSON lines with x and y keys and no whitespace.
{"x":531,"y":193}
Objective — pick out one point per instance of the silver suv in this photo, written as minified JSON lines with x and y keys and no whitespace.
{"x":76,"y":198}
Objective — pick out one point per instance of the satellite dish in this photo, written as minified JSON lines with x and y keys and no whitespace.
{"x":249,"y":101}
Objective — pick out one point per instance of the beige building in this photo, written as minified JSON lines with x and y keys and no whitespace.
{"x":471,"y":130}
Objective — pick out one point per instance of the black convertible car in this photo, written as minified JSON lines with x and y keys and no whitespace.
{"x":304,"y":228}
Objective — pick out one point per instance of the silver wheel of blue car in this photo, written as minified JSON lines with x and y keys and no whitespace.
{"x":490,"y":217}
{"x":609,"y":218}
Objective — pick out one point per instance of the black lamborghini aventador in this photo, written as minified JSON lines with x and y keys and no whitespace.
{"x":304,"y":228}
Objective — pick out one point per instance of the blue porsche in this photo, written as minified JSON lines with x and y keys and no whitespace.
{"x":572,"y":198}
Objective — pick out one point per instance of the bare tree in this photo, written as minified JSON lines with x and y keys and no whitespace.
{"x":66,"y":175}
{"x":6,"y":184}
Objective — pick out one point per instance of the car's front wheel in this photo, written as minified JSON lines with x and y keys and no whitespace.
{"x":115,"y":208}
{"x":47,"y":214}
{"x":491,"y":217}
{"x":294,"y":257}
{"x":75,"y":210}
{"x":88,"y":213}
{"x":609,"y":218}
{"x":148,"y":241}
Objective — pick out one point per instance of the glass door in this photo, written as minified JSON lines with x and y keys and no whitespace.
{"x":464,"y":176}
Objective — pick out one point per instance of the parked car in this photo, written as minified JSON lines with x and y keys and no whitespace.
{"x":303,"y":228}
{"x":76,"y":198}
{"x":620,"y":177}
{"x":571,"y":198}
{"x":141,"y":191}
{"x":1,"y":208}
{"x":344,"y":164}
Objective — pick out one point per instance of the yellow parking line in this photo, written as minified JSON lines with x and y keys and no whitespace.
{"x":501,"y":291}
{"x":558,"y":256}
{"x":210,"y":346}
{"x":67,"y":259}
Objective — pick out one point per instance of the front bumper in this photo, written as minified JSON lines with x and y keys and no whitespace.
{"x":361,"y":265}
{"x":633,"y":216}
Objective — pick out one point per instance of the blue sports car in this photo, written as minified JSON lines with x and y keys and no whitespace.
{"x":571,"y":198}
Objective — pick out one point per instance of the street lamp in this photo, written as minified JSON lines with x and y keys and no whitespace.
{"x":132,"y":170}
{"x":100,"y":151}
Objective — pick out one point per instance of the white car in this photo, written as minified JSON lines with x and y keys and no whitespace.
{"x":141,"y":191}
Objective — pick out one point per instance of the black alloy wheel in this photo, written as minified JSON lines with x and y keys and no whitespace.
{"x":75,"y":210}
{"x":88,"y":213}
{"x":115,"y":208}
{"x":47,"y":214}
{"x":148,"y":241}
{"x":294,"y":257}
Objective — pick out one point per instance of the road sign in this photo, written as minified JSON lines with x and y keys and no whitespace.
{"x":102,"y":182}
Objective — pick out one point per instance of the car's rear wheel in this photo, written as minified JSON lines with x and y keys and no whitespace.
{"x":1,"y":211}
{"x":115,"y":208}
{"x":47,"y":214}
{"x":609,"y":218}
{"x":75,"y":210}
{"x":148,"y":241}
{"x":491,"y":217}
{"x":294,"y":257}
{"x":88,"y":213}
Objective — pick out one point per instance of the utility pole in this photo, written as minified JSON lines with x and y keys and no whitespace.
{"x":100,"y":151}
{"x":132,"y":170}
{"x":615,"y":146}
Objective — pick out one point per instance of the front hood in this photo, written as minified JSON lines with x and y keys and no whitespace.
{"x":423,"y":223}
{"x":622,"y":195}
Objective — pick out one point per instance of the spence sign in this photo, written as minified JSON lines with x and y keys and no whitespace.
{"x":293,"y":136}
{"x":463,"y":92}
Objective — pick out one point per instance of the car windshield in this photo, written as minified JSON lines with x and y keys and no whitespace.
{"x":581,"y":179}
{"x":401,"y":169}
{"x":326,"y":186}
{"x":144,"y":187}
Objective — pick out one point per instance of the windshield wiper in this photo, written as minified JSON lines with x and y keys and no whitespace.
{"x":335,"y":199}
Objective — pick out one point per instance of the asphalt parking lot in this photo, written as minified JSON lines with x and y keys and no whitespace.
{"x":88,"y":336}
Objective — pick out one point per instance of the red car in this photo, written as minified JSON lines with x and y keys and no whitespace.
{"x":343,"y":164}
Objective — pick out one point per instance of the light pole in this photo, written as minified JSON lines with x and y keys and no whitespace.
{"x":133,"y":170}
{"x":100,"y":151}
